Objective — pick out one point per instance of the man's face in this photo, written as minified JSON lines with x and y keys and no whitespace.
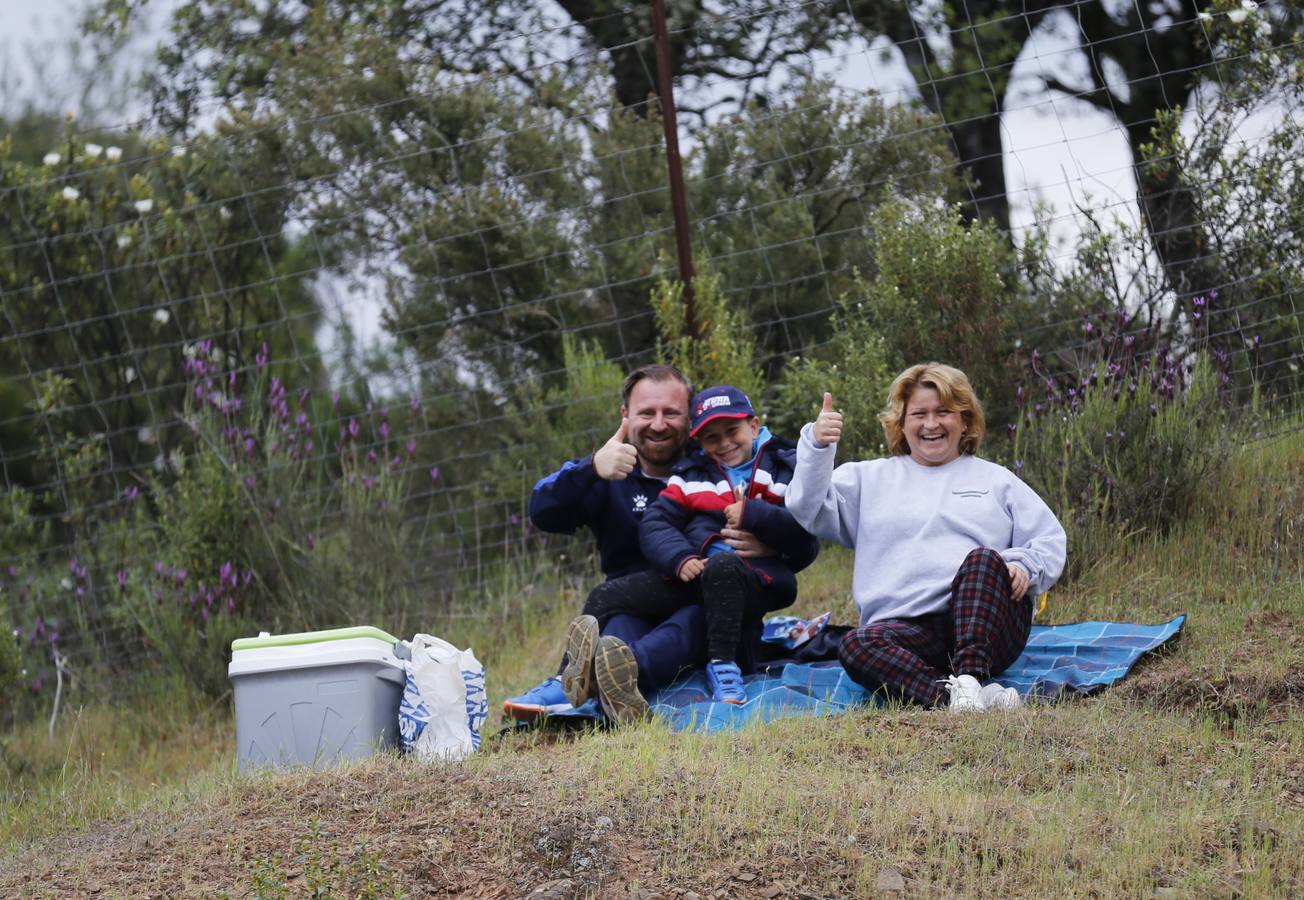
{"x":658,"y":423}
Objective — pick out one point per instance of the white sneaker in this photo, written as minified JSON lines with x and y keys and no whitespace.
{"x":993,"y":696}
{"x":965,"y":693}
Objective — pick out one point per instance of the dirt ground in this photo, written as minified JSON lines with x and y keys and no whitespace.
{"x":428,"y":837}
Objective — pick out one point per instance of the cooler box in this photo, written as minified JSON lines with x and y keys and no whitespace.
{"x":315,"y":698}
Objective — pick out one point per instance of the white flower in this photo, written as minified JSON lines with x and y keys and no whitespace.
{"x":143,"y":206}
{"x":1249,"y":5}
{"x":1237,"y":16}
{"x":113,"y":154}
{"x":145,"y":435}
{"x":94,"y":150}
{"x":161,"y":316}
{"x":71,"y":193}
{"x":1204,"y":16}
{"x":129,"y":374}
{"x":160,"y":463}
{"x":224,"y":213}
{"x":179,"y":151}
{"x":190,"y":351}
{"x":65,"y":583}
{"x":124,"y":241}
{"x":51,"y":159}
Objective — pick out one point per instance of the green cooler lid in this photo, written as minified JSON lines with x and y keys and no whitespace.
{"x":312,"y":637}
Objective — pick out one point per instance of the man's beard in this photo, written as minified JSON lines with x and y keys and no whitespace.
{"x":658,"y":452}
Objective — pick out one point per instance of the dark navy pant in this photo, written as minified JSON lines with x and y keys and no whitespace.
{"x":663,"y":649}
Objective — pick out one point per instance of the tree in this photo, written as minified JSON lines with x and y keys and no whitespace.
{"x":114,"y":259}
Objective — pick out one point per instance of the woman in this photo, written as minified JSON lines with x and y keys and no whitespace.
{"x":950,"y":549}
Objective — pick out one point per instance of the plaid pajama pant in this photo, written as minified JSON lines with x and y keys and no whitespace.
{"x":981,"y":633}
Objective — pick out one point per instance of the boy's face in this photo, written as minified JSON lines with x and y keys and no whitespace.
{"x":729,"y":441}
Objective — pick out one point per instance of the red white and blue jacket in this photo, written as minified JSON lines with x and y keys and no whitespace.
{"x":689,"y":514}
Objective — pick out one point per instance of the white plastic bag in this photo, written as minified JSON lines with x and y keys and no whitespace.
{"x":443,"y":703}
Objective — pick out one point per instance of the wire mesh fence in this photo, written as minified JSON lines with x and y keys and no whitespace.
{"x":291,"y":350}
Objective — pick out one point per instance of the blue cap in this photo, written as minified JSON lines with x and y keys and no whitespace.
{"x":720,"y":402}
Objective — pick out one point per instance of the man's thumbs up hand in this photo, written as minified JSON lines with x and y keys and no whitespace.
{"x":615,"y":459}
{"x":828,"y":425}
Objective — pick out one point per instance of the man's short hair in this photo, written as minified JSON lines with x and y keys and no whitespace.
{"x":653,"y":372}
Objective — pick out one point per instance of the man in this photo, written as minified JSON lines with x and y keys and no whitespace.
{"x":608,"y":492}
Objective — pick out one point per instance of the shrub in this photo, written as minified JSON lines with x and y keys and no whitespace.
{"x":543,"y":425}
{"x":1123,"y":446}
{"x":720,"y":348}
{"x":856,"y":368}
{"x":940,"y":293}
{"x":9,"y":659}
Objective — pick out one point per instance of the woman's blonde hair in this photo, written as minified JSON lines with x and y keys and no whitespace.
{"x":956,"y":394}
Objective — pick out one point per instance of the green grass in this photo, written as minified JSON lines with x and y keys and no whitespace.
{"x":1187,"y":779}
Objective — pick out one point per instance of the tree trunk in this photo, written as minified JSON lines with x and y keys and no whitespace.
{"x":978,"y":144}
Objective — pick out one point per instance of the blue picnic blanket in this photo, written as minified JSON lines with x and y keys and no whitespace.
{"x":1059,"y":661}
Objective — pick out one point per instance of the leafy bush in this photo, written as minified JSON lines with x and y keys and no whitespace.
{"x":940,"y":293}
{"x":856,"y":367}
{"x":542,"y":426}
{"x":9,"y":659}
{"x":720,"y":347}
{"x":1123,"y":447}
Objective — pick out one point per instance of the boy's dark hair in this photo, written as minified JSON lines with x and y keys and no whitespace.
{"x":653,"y":372}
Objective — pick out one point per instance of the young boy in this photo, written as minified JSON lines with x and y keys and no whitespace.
{"x":736,"y":478}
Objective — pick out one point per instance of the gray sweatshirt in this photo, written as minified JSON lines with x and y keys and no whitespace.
{"x":912,"y":525}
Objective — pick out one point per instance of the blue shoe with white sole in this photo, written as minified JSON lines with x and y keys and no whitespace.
{"x":544,"y":699}
{"x":726,"y":681}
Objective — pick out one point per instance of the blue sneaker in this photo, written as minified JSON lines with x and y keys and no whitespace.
{"x":726,"y":681}
{"x":544,"y":699}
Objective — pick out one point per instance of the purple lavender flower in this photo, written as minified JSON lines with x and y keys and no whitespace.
{"x":434,"y":473}
{"x":131,"y":493}
{"x":261,"y":356}
{"x":122,"y":579}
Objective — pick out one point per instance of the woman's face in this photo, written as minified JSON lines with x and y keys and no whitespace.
{"x":932,"y":431}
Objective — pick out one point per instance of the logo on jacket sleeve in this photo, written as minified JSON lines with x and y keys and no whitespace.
{"x":640,"y":503}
